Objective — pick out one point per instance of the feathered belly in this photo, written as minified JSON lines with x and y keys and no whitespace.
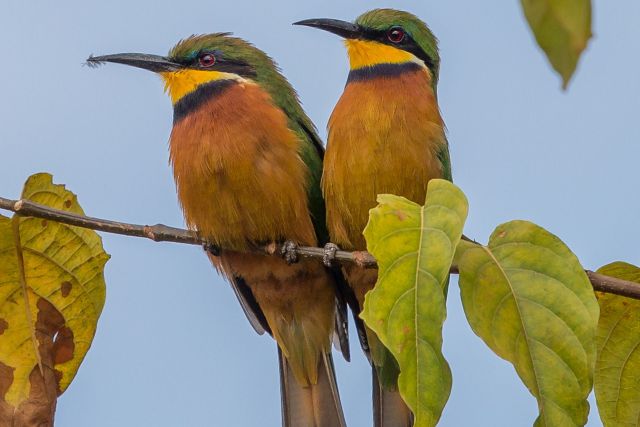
{"x":385,"y":135}
{"x":240,"y":182}
{"x":238,"y":173}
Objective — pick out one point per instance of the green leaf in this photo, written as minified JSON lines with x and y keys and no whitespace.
{"x":562,"y":28}
{"x":528,"y":298}
{"x":617,"y":379}
{"x":52,"y":291}
{"x":414,"y":247}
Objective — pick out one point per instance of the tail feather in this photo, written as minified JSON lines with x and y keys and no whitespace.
{"x":389,"y":410}
{"x":317,"y":405}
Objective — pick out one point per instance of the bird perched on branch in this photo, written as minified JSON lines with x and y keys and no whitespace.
{"x":386,"y":135}
{"x":247,"y":164}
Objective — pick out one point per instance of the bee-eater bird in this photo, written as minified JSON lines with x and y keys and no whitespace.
{"x":247,"y":163}
{"x":386,"y":135}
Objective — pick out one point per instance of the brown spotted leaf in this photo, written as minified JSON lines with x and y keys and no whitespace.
{"x":52,"y":291}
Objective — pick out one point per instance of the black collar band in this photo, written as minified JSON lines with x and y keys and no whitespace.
{"x":194,"y":100}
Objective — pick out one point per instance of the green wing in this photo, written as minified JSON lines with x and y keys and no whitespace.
{"x":311,"y":148}
{"x":445,"y":160}
{"x":312,"y":153}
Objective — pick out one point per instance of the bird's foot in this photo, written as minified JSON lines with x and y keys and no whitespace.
{"x":289,"y":252}
{"x":329,"y":256}
{"x":214,"y":250}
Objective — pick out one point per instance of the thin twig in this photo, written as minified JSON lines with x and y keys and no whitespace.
{"x":158,"y":232}
{"x":613,"y":285}
{"x":164,"y":233}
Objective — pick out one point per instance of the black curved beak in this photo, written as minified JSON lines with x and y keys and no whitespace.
{"x":154,"y":63}
{"x":335,"y":26}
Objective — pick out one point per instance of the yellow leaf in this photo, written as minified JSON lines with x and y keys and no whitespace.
{"x":617,"y":379}
{"x":49,"y":314}
{"x":414,"y":246}
{"x":528,"y":298}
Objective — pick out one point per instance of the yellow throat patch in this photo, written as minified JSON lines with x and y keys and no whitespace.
{"x":180,"y":83}
{"x":366,"y":53}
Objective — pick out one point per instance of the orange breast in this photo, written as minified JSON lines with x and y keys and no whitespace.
{"x":240,"y":179}
{"x":238,"y":173}
{"x":384,"y":135}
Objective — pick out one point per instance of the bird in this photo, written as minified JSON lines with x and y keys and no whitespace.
{"x":385,"y":135}
{"x":247,"y":164}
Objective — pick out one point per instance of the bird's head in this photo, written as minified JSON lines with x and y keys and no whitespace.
{"x":384,"y":36}
{"x":199,"y":60}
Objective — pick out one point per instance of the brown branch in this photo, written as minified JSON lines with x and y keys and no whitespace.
{"x":158,"y":232}
{"x":613,"y":285}
{"x":164,"y":233}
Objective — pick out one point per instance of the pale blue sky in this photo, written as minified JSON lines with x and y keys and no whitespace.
{"x":173,"y":348}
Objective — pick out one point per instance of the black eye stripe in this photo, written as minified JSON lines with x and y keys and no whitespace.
{"x":234,"y":66}
{"x":407,"y":44}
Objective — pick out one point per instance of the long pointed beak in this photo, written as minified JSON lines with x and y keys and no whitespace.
{"x":335,"y":26}
{"x":154,"y":63}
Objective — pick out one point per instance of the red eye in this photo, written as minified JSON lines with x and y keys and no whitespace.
{"x":396,"y":35}
{"x":207,"y":60}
